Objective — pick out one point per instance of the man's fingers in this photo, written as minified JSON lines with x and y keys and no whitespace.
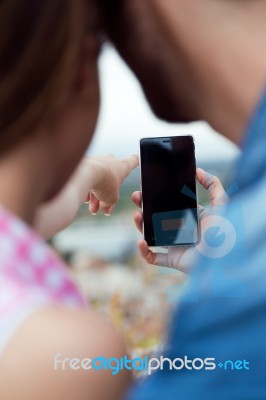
{"x":137,"y":198}
{"x":151,"y":258}
{"x":138,"y":221}
{"x":212,"y":183}
{"x":146,"y":253}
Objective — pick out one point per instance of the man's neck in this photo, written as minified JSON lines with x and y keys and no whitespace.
{"x":233,"y":80}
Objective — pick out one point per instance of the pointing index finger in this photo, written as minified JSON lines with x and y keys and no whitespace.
{"x":131,"y":163}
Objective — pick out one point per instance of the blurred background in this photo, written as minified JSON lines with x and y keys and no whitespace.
{"x":102,"y":252}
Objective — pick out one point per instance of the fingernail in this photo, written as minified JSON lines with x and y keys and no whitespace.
{"x":94,"y":214}
{"x":86,"y":202}
{"x":107,"y":215}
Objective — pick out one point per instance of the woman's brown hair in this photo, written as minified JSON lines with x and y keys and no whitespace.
{"x":39,"y":45}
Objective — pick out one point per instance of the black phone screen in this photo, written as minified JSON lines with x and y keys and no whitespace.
{"x":168,"y":174}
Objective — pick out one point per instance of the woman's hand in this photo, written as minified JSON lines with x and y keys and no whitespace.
{"x":110,"y":173}
{"x":183,"y":257}
{"x":97,"y":180}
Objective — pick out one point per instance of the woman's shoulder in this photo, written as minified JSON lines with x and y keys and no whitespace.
{"x":52,"y":353}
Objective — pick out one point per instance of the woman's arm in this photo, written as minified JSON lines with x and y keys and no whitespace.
{"x":96,"y":179}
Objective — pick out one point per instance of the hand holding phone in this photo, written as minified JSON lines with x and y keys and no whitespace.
{"x":183,"y":257}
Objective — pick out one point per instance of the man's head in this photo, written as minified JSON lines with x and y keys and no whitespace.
{"x":192,"y":57}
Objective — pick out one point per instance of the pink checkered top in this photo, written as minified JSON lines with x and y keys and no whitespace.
{"x":32,"y":277}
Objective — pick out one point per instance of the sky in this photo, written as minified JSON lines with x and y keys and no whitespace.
{"x":125,"y":117}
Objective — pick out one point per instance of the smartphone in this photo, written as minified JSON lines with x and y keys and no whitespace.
{"x":169,"y":191}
